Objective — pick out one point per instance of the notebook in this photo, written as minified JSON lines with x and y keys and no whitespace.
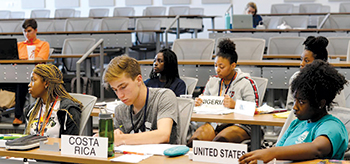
{"x":242,"y":21}
{"x":26,"y":142}
{"x":8,"y":49}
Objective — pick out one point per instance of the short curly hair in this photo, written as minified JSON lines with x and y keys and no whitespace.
{"x":317,"y":81}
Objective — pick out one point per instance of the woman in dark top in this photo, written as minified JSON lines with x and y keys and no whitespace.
{"x":165,"y":73}
{"x":252,"y":9}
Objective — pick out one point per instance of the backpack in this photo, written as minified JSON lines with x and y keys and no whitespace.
{"x":86,"y":85}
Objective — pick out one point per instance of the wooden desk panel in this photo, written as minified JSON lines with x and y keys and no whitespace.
{"x":56,"y":156}
{"x":263,"y":119}
{"x":277,"y":30}
{"x":297,"y":56}
{"x":299,"y":14}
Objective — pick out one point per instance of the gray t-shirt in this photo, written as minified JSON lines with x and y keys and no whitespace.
{"x":162,"y":103}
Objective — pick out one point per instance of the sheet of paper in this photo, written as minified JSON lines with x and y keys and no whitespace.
{"x":2,"y":143}
{"x":245,"y":108}
{"x":212,"y":105}
{"x":111,"y":105}
{"x":130,"y":158}
{"x":281,"y":115}
{"x":265,"y":108}
{"x":204,"y":109}
{"x":155,"y":149}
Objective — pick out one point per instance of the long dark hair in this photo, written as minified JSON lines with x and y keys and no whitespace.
{"x":171,"y":70}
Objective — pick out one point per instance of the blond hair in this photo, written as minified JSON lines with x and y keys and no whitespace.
{"x":119,"y":66}
{"x":54,"y":78}
{"x":252,"y":5}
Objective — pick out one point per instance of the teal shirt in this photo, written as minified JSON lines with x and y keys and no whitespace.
{"x":330,"y":126}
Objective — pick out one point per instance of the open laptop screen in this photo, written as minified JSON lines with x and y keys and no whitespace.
{"x":242,"y":21}
{"x":8,"y":49}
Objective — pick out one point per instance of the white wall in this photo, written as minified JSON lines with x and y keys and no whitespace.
{"x":209,"y":9}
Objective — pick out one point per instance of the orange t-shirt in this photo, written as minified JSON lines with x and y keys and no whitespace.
{"x":42,"y":49}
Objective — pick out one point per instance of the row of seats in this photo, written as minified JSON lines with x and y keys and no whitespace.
{"x":302,"y":8}
{"x":70,"y":24}
{"x":306,"y":8}
{"x":302,"y":22}
{"x":253,"y":48}
{"x":42,"y":13}
{"x":104,"y":12}
{"x":106,"y":24}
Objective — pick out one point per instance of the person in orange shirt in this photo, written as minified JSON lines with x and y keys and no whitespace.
{"x":42,"y":50}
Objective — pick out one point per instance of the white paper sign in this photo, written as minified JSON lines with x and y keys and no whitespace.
{"x":84,"y":146}
{"x":245,"y":108}
{"x":212,"y":105}
{"x":217,"y":152}
{"x":212,"y":100}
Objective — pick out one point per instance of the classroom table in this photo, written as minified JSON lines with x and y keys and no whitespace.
{"x":297,"y":14}
{"x":253,"y":30}
{"x":52,"y":156}
{"x":58,"y":157}
{"x":256,"y":122}
{"x":298,"y":56}
{"x":268,"y":33}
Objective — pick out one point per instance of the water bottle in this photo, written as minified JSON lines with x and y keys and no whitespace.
{"x":227,"y":21}
{"x":106,"y":129}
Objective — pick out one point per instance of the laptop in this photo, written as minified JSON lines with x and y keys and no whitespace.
{"x":242,"y":21}
{"x":8,"y":49}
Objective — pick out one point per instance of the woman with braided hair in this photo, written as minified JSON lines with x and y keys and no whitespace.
{"x":55,"y":112}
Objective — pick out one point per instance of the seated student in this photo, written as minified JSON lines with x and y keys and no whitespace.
{"x":42,"y":49}
{"x":55,"y":112}
{"x":315,"y":134}
{"x":165,"y":73}
{"x":315,"y":48}
{"x":147,"y":115}
{"x":234,"y":85}
{"x":252,"y":9}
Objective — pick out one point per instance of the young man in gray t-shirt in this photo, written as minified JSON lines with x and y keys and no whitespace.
{"x":147,"y":115}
